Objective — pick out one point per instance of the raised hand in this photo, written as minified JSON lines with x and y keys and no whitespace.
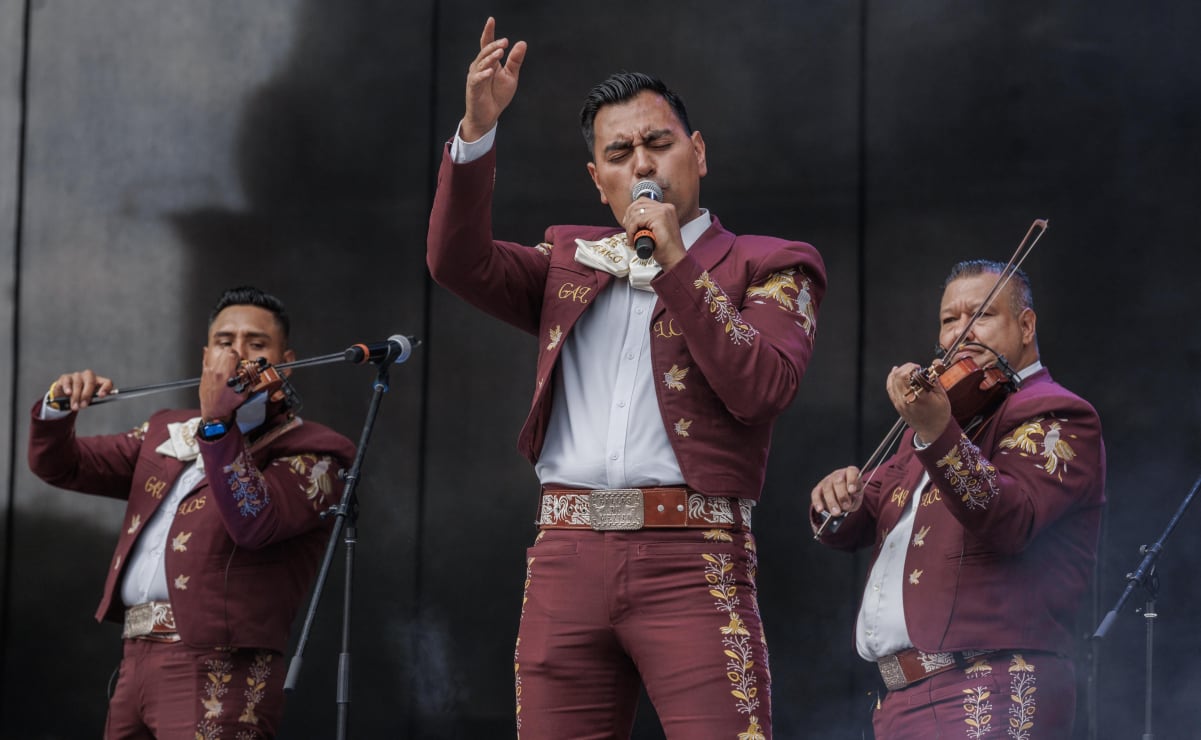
{"x":490,"y":84}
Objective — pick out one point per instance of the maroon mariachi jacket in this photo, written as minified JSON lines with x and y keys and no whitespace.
{"x":1005,"y":538}
{"x":245,"y":543}
{"x":731,"y":332}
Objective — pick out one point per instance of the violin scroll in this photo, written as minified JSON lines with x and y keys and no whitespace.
{"x":260,"y":376}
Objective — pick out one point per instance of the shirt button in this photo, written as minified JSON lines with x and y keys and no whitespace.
{"x":621,"y":404}
{"x":613,"y":456}
{"x":638,"y":311}
{"x":629,"y":355}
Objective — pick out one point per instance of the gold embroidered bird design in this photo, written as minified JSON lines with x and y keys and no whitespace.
{"x":1020,"y":439}
{"x":682,"y":427}
{"x":556,"y":336}
{"x":774,"y":287}
{"x":674,"y":377}
{"x":1054,"y":449}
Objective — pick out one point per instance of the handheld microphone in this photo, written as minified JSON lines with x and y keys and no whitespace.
{"x":644,"y":239}
{"x":397,"y":348}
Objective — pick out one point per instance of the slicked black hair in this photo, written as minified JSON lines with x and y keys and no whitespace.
{"x":1021,"y":297}
{"x":618,"y":88}
{"x":248,"y":295}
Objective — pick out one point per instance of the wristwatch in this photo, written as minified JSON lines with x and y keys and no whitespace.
{"x":212,"y":429}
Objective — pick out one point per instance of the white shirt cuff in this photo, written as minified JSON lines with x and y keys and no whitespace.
{"x":49,"y":413}
{"x":462,"y":152}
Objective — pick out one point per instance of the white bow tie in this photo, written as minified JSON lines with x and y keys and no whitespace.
{"x":614,"y":255}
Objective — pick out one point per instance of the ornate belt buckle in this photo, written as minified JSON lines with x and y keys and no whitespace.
{"x":615,"y":509}
{"x":891,"y":672}
{"x":139,"y":620}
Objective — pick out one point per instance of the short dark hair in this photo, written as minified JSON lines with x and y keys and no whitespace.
{"x":1021,"y":297}
{"x":248,"y":295}
{"x":618,"y":88}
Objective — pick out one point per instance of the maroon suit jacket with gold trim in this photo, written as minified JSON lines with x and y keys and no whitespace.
{"x":731,"y":332}
{"x":244,"y":545}
{"x":1005,"y":538}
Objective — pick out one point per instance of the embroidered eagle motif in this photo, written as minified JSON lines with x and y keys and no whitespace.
{"x":682,"y":427}
{"x":1055,"y":451}
{"x":774,"y":287}
{"x":556,"y":336}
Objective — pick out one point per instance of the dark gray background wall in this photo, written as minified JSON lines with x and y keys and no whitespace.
{"x":153,"y":152}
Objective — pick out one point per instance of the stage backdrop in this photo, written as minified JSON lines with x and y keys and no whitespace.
{"x":155,"y":152}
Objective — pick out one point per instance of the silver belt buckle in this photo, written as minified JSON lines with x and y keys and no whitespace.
{"x":139,"y":620}
{"x":890,"y":671}
{"x":615,"y":509}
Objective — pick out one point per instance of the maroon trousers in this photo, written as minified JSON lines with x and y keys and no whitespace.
{"x":170,"y":691}
{"x":676,"y":609}
{"x":1019,"y":696}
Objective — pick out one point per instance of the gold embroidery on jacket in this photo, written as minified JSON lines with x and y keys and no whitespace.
{"x":724,"y":311}
{"x":778,"y":287}
{"x":970,"y":476}
{"x":668,"y":331}
{"x":681,"y":427}
{"x":919,"y":538}
{"x":674,"y":378}
{"x":181,"y":582}
{"x":318,"y":476}
{"x":1054,"y":449}
{"x":155,"y":487}
{"x":134,"y":522}
{"x":555,"y":335}
{"x":180,"y":542}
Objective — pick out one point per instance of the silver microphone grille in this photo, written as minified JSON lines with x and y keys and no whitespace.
{"x":648,"y":188}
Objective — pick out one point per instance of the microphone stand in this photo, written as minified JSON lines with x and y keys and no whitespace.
{"x":345,"y":517}
{"x":1145,"y":576}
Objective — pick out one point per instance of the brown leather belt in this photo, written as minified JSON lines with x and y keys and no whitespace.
{"x":912,"y":665}
{"x":638,"y":508}
{"x":154,"y":620}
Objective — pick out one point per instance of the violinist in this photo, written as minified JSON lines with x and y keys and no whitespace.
{"x":984,"y":528}
{"x":222,"y":532}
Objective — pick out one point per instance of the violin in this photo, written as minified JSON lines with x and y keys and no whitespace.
{"x":973,"y":391}
{"x":255,"y":376}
